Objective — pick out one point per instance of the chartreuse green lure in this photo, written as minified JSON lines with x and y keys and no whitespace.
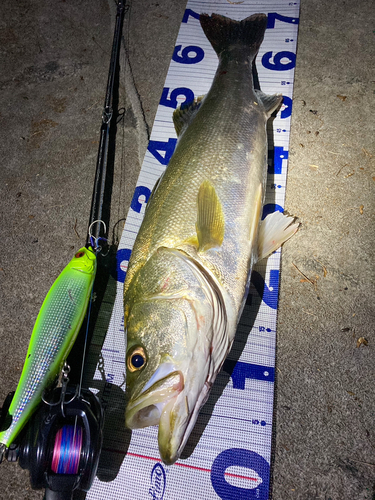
{"x":53,"y":336}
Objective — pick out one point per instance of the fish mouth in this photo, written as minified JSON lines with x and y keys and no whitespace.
{"x":148,"y":407}
{"x":162,"y":402}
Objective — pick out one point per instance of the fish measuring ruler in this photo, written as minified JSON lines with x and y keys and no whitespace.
{"x":229,"y":451}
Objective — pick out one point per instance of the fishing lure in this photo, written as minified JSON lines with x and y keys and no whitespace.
{"x":55,"y":331}
{"x":62,"y":429}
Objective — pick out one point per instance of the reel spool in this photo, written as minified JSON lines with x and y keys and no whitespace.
{"x":62,"y":442}
{"x":67,"y":450}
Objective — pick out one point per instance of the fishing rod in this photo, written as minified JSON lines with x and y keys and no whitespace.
{"x":96,"y":212}
{"x":56,"y":431}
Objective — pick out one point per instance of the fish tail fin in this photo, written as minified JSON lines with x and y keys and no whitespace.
{"x":227,"y":35}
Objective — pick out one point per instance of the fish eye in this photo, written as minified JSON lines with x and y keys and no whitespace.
{"x":80,"y":254}
{"x":136,"y":359}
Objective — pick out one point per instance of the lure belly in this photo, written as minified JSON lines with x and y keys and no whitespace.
{"x":55,"y":331}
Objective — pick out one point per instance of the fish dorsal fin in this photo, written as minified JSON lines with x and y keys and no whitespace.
{"x":210,"y":221}
{"x":183,"y":115}
{"x":270,"y":102}
{"x":156,"y":185}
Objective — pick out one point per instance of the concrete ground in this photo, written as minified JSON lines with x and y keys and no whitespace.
{"x":54,"y":62}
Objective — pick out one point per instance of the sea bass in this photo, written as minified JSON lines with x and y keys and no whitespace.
{"x":54,"y":333}
{"x":190,"y":267}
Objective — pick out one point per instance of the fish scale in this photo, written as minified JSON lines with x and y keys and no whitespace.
{"x":204,"y":216}
{"x":206,"y":151}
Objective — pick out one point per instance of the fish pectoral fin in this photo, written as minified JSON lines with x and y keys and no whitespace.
{"x":270,"y":102}
{"x":183,"y":115}
{"x":210,"y":221}
{"x":274,"y":230}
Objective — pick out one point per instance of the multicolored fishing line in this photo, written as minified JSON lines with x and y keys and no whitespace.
{"x":67,"y":450}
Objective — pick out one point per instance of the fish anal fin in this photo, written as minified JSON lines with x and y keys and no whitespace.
{"x":183,"y":115}
{"x":270,"y":102}
{"x":274,"y":230}
{"x":210,"y":224}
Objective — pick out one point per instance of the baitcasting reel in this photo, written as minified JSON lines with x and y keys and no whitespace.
{"x":62,"y":442}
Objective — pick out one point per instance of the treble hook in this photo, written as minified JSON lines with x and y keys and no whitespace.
{"x":64,"y":385}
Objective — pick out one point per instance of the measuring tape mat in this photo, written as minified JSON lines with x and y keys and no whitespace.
{"x":229,"y":451}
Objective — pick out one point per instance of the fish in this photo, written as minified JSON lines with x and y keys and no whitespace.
{"x":190,"y":267}
{"x":54,"y":333}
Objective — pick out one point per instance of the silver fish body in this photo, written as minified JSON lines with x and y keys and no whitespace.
{"x":190,"y":267}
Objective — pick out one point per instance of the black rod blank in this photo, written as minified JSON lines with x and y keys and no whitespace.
{"x":101,"y":164}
